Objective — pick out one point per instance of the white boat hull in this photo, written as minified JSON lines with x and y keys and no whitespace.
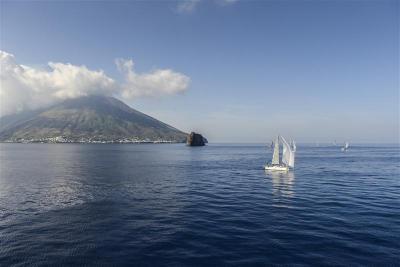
{"x":276,"y":168}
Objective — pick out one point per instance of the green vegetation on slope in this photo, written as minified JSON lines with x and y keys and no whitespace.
{"x":88,"y":118}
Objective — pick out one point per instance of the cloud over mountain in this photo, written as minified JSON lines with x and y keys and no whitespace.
{"x":23,"y":87}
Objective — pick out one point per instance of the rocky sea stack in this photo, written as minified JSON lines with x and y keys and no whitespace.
{"x":195,"y":139}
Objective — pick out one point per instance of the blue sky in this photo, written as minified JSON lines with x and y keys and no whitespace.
{"x":309,"y":70}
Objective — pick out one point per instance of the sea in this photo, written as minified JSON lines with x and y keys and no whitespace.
{"x":174,"y":205}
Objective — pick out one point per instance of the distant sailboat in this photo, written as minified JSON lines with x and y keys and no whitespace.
{"x":294,"y":146}
{"x":346,"y":146}
{"x":288,"y":155}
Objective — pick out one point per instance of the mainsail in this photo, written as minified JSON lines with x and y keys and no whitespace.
{"x":275,"y":156}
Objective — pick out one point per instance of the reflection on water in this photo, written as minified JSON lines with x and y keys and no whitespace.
{"x":282,"y":184}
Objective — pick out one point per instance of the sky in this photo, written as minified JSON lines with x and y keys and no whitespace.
{"x":235,"y":71}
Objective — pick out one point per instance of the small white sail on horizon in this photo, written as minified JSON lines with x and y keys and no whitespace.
{"x":346,"y":146}
{"x":294,"y":146}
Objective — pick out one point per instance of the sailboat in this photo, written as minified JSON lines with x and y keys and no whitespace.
{"x":288,"y":155}
{"x":346,"y":146}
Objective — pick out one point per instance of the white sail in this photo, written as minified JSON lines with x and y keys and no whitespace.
{"x":294,"y":148}
{"x":292,"y":155}
{"x":275,"y":156}
{"x":288,"y":153}
{"x":285,"y":152}
{"x":346,"y":146}
{"x":291,"y":159}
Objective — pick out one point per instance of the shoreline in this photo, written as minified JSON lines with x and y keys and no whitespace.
{"x":92,"y":142}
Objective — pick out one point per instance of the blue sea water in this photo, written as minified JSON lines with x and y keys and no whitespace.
{"x":173,"y":205}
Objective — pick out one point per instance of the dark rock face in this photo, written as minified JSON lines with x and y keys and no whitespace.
{"x":195,"y":139}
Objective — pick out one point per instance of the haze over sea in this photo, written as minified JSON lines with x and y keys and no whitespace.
{"x":163,"y":205}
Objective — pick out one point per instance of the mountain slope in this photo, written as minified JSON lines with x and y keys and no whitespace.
{"x":87,"y":118}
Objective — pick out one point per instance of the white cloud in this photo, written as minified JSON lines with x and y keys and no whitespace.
{"x":24,"y":88}
{"x":187,"y":6}
{"x":226,"y":2}
{"x":156,"y":83}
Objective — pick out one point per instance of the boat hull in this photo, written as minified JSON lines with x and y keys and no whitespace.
{"x":276,"y":168}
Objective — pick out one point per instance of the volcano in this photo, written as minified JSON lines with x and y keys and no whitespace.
{"x":87,"y":119}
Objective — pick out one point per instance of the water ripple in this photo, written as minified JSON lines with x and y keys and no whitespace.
{"x":153,"y":205}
